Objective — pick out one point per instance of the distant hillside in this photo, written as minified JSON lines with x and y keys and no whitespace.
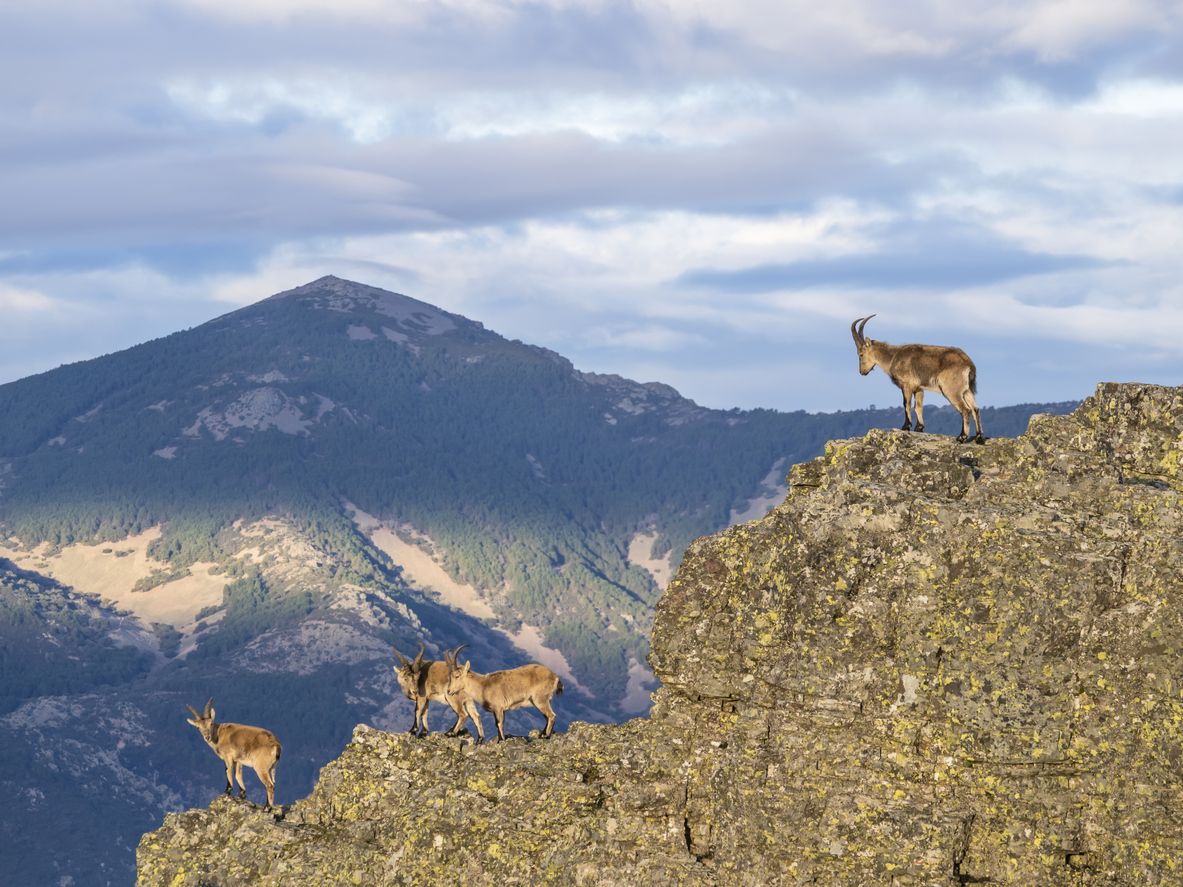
{"x":257,"y":508}
{"x":529,"y":477}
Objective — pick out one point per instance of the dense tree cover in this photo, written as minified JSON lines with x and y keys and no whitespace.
{"x":55,"y":641}
{"x":250,"y":609}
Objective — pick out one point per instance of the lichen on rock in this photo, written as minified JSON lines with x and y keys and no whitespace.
{"x":935,"y":663}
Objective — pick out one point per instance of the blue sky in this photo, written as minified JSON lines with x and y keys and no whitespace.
{"x":700,"y":192}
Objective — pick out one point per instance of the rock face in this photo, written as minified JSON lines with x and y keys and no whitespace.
{"x":933,"y":664}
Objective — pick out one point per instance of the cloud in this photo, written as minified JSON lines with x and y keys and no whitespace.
{"x":676,"y":188}
{"x":937,"y":254}
{"x":15,"y":299}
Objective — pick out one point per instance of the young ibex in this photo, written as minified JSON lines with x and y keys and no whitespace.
{"x":915,"y":368}
{"x":238,"y":744}
{"x":424,"y":682}
{"x":499,"y":691}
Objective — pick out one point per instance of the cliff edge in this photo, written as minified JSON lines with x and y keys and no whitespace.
{"x":934,"y":664}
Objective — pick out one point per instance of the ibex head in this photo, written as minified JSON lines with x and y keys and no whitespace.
{"x":203,"y":722}
{"x":407,"y":671}
{"x":457,"y":673}
{"x":866,"y":362}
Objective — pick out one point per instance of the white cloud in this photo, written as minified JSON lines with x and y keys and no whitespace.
{"x":1060,"y":29}
{"x":373,"y":110}
{"x":1110,"y":321}
{"x":24,"y":300}
{"x":397,"y":12}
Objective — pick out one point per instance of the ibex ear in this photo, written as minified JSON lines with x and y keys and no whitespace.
{"x":467,"y":666}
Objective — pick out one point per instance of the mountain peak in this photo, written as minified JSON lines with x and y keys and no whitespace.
{"x":332,"y":293}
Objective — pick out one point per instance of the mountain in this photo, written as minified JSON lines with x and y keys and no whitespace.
{"x":258,"y":508}
{"x":933,"y":664}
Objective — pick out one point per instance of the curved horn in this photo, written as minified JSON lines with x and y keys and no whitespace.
{"x":419,"y":656}
{"x":854,"y":332}
{"x":208,"y":708}
{"x":193,"y":711}
{"x":402,"y":660}
{"x":862,"y":325}
{"x":456,"y":655}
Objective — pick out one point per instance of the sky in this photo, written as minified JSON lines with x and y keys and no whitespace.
{"x":700,"y":192}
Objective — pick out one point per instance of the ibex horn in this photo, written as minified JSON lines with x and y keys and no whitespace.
{"x":863,"y":325}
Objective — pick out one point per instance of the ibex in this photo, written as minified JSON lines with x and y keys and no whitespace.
{"x":424,"y":682}
{"x":238,"y":744}
{"x":499,"y":691}
{"x":915,"y":368}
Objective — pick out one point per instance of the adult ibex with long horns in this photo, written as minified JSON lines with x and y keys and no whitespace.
{"x":424,"y":682}
{"x":917,"y":368}
{"x":238,"y":744}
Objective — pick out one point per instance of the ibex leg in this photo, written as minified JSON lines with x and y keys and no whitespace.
{"x":958,"y":402}
{"x":476,"y":719}
{"x":920,"y":409}
{"x":972,"y":403}
{"x":544,"y":707}
{"x":461,"y":717}
{"x":268,"y":778}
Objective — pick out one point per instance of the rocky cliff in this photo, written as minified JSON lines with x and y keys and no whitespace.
{"x":934,"y":664}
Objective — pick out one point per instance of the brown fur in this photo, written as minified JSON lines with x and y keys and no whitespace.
{"x":917,"y":368}
{"x":500,"y":691}
{"x":424,"y":682}
{"x":238,"y":744}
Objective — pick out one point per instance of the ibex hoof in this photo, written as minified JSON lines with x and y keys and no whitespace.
{"x":422,"y":732}
{"x":980,"y":439}
{"x":961,"y":438}
{"x":919,"y":427}
{"x":242,"y":794}
{"x":905,"y":427}
{"x":413,"y":730}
